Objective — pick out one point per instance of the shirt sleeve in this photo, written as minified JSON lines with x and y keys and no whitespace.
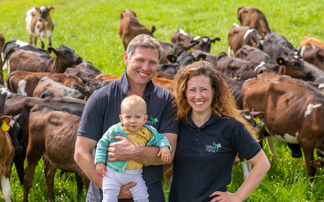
{"x":168,"y":123}
{"x":91,"y":123}
{"x":244,"y":143}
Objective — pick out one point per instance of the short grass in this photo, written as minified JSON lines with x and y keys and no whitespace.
{"x":91,"y":28}
{"x":65,"y":187}
{"x":287,"y":181}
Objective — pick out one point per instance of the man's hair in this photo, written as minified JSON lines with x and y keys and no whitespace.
{"x":144,"y":41}
{"x":133,"y":101}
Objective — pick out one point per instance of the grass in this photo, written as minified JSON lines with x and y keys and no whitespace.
{"x":286,"y":181}
{"x":91,"y":28}
{"x":65,"y":187}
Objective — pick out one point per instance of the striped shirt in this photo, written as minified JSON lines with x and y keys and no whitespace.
{"x":117,"y":129}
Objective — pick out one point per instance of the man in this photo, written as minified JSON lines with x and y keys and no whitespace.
{"x":102,"y":111}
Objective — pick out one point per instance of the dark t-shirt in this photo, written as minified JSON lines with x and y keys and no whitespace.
{"x":205,"y":156}
{"x":102,"y":111}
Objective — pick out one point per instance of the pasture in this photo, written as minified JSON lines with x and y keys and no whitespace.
{"x":91,"y":29}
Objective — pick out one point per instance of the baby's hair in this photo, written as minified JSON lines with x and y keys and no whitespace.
{"x":133,"y":100}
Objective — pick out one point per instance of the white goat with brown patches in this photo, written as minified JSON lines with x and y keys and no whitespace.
{"x":39,"y":24}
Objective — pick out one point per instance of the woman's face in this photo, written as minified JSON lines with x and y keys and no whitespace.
{"x":200,"y":94}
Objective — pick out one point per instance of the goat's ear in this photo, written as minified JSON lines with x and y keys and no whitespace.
{"x":259,"y":114}
{"x":51,"y":51}
{"x":236,"y":76}
{"x":172,"y":58}
{"x":216,"y":40}
{"x":5,"y":123}
{"x":280,"y":61}
{"x":153,"y":29}
{"x":189,"y":47}
{"x":17,"y":118}
{"x":194,"y":42}
{"x":51,"y":8}
{"x":201,"y":57}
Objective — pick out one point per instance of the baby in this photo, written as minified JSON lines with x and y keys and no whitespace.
{"x":133,"y":116}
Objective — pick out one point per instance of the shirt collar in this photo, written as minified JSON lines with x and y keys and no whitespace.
{"x":123,"y":81}
{"x":212,"y":120}
{"x":149,"y":88}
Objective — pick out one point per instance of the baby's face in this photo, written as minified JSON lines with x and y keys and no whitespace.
{"x":133,"y":118}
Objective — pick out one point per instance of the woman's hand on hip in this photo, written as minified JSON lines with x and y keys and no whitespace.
{"x":225,"y":197}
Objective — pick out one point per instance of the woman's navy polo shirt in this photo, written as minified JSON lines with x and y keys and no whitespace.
{"x":205,"y":156}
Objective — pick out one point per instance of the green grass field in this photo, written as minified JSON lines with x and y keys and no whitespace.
{"x":91,"y":28}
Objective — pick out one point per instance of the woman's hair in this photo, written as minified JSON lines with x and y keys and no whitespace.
{"x":133,"y":101}
{"x":223,"y":103}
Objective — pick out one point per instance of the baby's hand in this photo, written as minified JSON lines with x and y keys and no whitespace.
{"x":101,"y":168}
{"x":165,"y":153}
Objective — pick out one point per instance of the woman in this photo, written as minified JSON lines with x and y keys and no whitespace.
{"x":211,"y":133}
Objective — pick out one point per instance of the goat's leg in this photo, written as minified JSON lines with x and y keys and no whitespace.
{"x":6,"y":190}
{"x":49,"y":170}
{"x":28,"y":178}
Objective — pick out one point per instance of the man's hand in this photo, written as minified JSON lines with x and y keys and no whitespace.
{"x":123,"y":150}
{"x":124,"y":191}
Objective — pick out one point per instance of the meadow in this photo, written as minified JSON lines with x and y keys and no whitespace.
{"x":91,"y":29}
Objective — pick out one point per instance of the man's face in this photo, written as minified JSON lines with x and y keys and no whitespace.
{"x":142,"y":66}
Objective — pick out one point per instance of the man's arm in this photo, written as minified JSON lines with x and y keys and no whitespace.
{"x":124,"y":150}
{"x":83,"y":157}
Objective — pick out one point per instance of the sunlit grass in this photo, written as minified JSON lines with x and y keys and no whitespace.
{"x":65,"y":187}
{"x":91,"y":28}
{"x":287,"y":180}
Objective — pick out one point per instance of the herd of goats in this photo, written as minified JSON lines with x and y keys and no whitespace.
{"x":279,"y":85}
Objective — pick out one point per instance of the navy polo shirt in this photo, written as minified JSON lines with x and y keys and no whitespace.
{"x":102,"y":110}
{"x":205,"y":156}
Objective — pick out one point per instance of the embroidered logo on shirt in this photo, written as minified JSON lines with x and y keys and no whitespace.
{"x":152,"y":121}
{"x":213,"y":148}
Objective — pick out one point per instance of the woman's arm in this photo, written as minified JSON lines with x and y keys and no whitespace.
{"x":261,"y":166}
